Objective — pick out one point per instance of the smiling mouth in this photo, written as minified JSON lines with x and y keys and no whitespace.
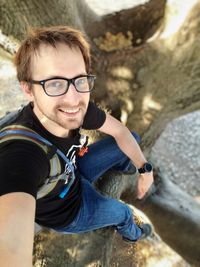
{"x":70,"y":112}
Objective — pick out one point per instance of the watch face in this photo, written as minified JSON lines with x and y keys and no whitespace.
{"x":148,"y":167}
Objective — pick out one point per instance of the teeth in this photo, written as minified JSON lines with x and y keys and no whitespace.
{"x":71,"y":110}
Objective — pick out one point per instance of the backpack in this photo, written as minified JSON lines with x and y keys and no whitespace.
{"x":10,"y":131}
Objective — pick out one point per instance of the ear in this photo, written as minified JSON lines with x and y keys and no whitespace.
{"x":27,"y":90}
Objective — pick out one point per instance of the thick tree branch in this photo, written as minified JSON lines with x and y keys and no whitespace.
{"x":137,"y":24}
{"x":176,"y":218}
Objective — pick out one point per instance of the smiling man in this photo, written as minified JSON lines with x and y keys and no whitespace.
{"x":46,"y":175}
{"x":56,"y":66}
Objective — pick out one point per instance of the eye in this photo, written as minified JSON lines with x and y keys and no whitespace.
{"x":55,"y":84}
{"x":81,"y":81}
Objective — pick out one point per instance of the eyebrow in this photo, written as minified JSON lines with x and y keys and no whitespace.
{"x":62,"y":77}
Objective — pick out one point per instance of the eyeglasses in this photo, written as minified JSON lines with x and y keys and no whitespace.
{"x":58,"y":86}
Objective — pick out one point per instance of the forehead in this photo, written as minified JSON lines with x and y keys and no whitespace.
{"x":49,"y":60}
{"x":48,"y":51}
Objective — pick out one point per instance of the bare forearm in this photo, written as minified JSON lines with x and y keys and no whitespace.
{"x":17,"y":212}
{"x":124,"y":139}
{"x":10,"y":258}
{"x":130,"y":147}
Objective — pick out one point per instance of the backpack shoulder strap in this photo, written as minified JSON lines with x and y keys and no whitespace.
{"x":10,"y":117}
{"x":19,"y":132}
{"x":14,"y":132}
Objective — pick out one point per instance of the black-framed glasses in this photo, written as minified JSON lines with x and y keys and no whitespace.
{"x":58,"y":86}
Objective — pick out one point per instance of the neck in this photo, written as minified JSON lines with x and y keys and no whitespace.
{"x":50,"y":125}
{"x":53,"y":128}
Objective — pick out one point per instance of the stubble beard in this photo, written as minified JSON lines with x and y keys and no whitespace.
{"x":68,"y":123}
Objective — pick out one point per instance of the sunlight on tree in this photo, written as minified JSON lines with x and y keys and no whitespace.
{"x":176,"y":14}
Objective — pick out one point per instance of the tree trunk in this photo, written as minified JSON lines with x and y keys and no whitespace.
{"x":176,"y":218}
{"x":16,"y":15}
{"x":145,"y":85}
{"x":136,"y":24}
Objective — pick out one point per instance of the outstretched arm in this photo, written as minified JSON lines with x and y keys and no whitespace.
{"x":129,"y":146}
{"x":17,"y":212}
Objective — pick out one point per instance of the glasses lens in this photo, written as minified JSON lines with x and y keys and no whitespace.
{"x":55,"y":87}
{"x":84,"y":84}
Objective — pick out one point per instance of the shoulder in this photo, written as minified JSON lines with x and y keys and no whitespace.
{"x":94,"y":118}
{"x":21,"y":148}
{"x":23,"y":165}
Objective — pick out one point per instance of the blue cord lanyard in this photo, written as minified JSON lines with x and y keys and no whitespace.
{"x":58,"y":151}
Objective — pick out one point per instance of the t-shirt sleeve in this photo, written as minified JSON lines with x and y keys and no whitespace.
{"x":23,"y":166}
{"x":94,"y":117}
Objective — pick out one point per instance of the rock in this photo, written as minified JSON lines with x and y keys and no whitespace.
{"x":177,"y":152}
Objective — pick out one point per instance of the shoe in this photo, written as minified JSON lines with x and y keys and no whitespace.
{"x":146,"y":229}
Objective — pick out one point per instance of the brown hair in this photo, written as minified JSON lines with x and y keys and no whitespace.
{"x":50,"y":36}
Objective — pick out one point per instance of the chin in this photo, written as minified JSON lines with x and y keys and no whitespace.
{"x":72,"y":125}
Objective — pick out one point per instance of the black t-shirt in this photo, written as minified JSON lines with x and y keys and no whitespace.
{"x":24,"y":167}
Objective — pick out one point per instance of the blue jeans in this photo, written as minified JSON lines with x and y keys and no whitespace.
{"x":98,"y":211}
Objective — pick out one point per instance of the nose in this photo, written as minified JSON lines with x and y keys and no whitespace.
{"x":72,"y":96}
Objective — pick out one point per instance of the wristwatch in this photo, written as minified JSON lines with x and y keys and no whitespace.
{"x":147,"y":167}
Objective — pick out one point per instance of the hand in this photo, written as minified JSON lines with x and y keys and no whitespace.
{"x":144,"y":183}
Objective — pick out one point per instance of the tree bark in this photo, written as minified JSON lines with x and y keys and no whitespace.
{"x":174,"y":213}
{"x":141,"y":21}
{"x":176,"y":218}
{"x":17,"y":15}
{"x":145,"y":85}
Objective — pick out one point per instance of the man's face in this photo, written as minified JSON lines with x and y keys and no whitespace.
{"x":61,"y":113}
